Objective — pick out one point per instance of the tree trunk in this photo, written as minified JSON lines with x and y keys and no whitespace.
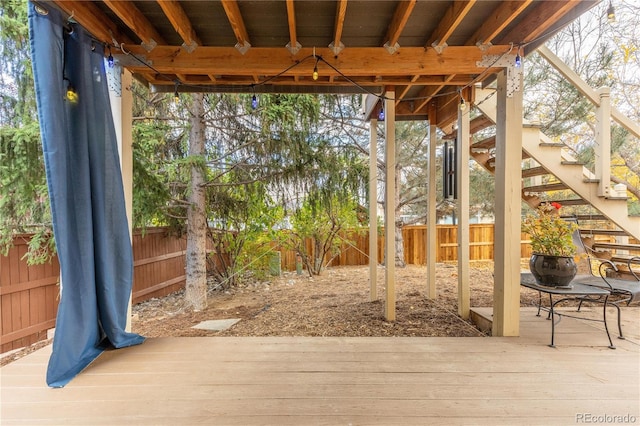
{"x":196,"y":274}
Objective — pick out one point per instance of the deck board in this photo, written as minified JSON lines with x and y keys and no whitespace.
{"x":330,"y":381}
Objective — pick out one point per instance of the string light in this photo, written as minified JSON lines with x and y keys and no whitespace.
{"x":518,"y":59}
{"x":176,"y":95}
{"x":110,"y":59}
{"x":381,"y":113}
{"x":463,"y":104}
{"x":611,"y":13}
{"x":315,"y":70}
{"x":254,"y":102}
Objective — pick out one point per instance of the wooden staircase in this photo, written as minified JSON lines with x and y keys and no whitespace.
{"x":551,"y":173}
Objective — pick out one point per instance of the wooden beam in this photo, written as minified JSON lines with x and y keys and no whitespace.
{"x":373,"y":210}
{"x":603,"y":143}
{"x":539,"y":19}
{"x":449,"y":22}
{"x":136,"y":21}
{"x":291,"y":18}
{"x":94,"y":20}
{"x":405,"y":89}
{"x":390,"y":206}
{"x":508,"y":171}
{"x":398,"y":22}
{"x":498,"y":21}
{"x":180,"y":22}
{"x":271,"y":61}
{"x":341,"y":12}
{"x":431,"y":248}
{"x":234,"y":16}
{"x":462,"y":206}
{"x":429,"y":92}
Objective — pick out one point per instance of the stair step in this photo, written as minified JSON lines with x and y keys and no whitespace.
{"x":534,"y":171}
{"x":572,"y":163}
{"x":553,"y":144}
{"x":546,"y":187}
{"x":617,"y":198}
{"x":487,"y":143}
{"x":615,"y":246}
{"x":481,"y":122}
{"x":591,"y":180}
{"x":615,"y":232}
{"x":583,"y":217}
{"x":572,"y":202}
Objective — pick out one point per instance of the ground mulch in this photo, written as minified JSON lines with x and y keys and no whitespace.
{"x":335,"y":303}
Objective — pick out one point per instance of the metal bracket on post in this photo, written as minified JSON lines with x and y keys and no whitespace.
{"x":243,"y":47}
{"x":114,"y":79}
{"x":190,"y":47}
{"x":439,"y":48}
{"x":293,"y":49}
{"x":514,"y":74}
{"x":392,"y":48}
{"x":336,"y":49}
{"x":149,"y":46}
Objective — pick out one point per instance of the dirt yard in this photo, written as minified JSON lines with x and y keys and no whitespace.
{"x":333,"y":304}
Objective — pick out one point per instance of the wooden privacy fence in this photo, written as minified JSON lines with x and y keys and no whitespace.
{"x":481,"y":237}
{"x":28,"y":297}
{"x":29,"y":294}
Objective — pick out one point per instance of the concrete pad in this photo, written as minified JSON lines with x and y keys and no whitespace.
{"x":216,"y":325}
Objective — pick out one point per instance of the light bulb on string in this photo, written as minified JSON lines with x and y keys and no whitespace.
{"x":71,"y":95}
{"x":110,"y":61}
{"x":254,"y":101}
{"x":463,"y":104}
{"x":315,"y":70}
{"x":518,"y":59}
{"x":611,"y":13}
{"x":381,"y":113}
{"x":176,"y":95}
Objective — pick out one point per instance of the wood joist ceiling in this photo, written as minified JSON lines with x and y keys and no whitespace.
{"x":425,"y":50}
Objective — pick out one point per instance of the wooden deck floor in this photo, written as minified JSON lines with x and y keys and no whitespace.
{"x":341,"y":381}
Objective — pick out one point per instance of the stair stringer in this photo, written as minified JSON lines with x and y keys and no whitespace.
{"x":551,"y":159}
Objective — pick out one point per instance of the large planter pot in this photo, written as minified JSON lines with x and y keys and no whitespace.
{"x":552,"y":271}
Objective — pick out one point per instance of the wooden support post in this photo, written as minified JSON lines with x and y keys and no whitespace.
{"x":390,"y":206}
{"x":508,"y":176}
{"x":462,"y":205}
{"x":431,"y":207}
{"x":122,"y":112}
{"x":373,"y":208}
{"x":603,"y":142}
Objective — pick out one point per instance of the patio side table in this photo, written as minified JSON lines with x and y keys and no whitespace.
{"x":574,"y":291}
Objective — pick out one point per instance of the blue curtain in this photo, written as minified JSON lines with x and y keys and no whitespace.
{"x":85,"y":189}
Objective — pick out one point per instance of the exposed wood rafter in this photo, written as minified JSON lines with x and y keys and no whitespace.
{"x":498,"y":21}
{"x":180,"y":22}
{"x":89,"y":15}
{"x":234,"y":16}
{"x":137,"y":22}
{"x":341,"y":12}
{"x":449,"y":22}
{"x":291,"y":19}
{"x":542,"y":17}
{"x":400,"y":18}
